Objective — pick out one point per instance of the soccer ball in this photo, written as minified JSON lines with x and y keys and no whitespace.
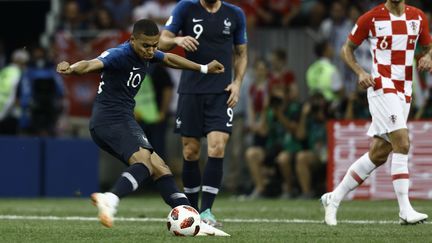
{"x":183,"y":220}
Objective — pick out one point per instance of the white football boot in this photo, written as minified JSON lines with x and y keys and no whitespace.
{"x":208,"y":230}
{"x":330,"y":209}
{"x":412,"y":217}
{"x":107,"y":207}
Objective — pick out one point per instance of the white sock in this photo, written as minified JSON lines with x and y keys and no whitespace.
{"x":356,"y":174}
{"x":400,"y":176}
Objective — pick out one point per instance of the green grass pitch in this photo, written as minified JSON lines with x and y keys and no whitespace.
{"x":141,"y":219}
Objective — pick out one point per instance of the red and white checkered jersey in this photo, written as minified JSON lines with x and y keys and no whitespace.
{"x":393,"y":40}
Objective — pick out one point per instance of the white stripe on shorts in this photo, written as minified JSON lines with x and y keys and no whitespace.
{"x":192,"y":190}
{"x":131,"y":179}
{"x":209,"y":189}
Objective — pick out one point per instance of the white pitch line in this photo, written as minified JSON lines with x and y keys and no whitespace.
{"x":287,"y":221}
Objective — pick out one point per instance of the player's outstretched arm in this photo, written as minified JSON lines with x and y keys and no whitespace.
{"x":365,"y":79}
{"x":178,"y":62}
{"x":169,"y":40}
{"x":81,"y":67}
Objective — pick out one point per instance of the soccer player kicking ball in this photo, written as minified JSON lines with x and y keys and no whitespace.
{"x":393,"y":30}
{"x":112,"y":124}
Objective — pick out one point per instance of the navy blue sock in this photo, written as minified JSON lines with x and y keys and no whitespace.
{"x":212,"y":180}
{"x":170,"y":193}
{"x":191,"y":176}
{"x":130,"y":179}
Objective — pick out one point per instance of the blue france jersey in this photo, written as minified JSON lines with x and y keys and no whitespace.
{"x":121,"y":78}
{"x":216,"y":34}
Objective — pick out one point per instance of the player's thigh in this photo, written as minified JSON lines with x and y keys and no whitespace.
{"x":190,"y":115}
{"x":379,"y":150}
{"x":124,"y":140}
{"x":217,"y":115}
{"x":389,"y":113}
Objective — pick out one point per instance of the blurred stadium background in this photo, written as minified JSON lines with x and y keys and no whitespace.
{"x":294,"y":50}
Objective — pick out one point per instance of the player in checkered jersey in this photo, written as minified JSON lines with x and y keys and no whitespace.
{"x":393,"y":30}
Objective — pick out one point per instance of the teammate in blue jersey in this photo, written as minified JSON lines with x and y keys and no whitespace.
{"x":112,"y":125}
{"x":210,"y":29}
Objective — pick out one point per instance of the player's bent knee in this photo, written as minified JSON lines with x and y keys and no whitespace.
{"x":159,"y":166}
{"x":142,"y":156}
{"x":191,"y":153}
{"x":401,"y":147}
{"x":378,"y":158}
{"x":189,"y":156}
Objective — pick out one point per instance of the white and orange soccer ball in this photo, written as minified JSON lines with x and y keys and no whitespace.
{"x":184,"y":220}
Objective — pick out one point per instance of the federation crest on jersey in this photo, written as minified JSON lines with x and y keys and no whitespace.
{"x":413,"y":26}
{"x":178,"y":122}
{"x":227,"y":27}
{"x":393,"y":119}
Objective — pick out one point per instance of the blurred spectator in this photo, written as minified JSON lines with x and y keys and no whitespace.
{"x":291,"y":144}
{"x":314,"y":18}
{"x":2,"y":55}
{"x":120,"y":11}
{"x":42,"y":96}
{"x":152,"y":106}
{"x":236,"y":178}
{"x":312,"y":129}
{"x":71,"y":19}
{"x":249,"y":8}
{"x":258,"y":98}
{"x":425,"y":111}
{"x":357,"y":106}
{"x":280,"y":78}
{"x":280,"y":124}
{"x":276,"y":13}
{"x":157,"y":10}
{"x":9,"y":80}
{"x":102,"y":20}
{"x":323,"y":76}
{"x":335,"y":29}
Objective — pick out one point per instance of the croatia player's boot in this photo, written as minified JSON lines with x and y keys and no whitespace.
{"x":412,"y":217}
{"x":107,"y":207}
{"x":208,"y":230}
{"x":330,"y":209}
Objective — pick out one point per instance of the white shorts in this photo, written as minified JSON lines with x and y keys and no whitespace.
{"x":389,"y":113}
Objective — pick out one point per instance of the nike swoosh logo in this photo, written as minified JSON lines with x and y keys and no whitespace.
{"x":196,"y":20}
{"x":135,"y":68}
{"x":229,"y":124}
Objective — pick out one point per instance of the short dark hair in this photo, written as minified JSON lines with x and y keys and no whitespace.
{"x":146,"y":27}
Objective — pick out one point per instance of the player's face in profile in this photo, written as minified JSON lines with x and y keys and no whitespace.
{"x":145,"y":46}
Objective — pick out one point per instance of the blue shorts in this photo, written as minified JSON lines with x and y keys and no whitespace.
{"x":199,"y":114}
{"x":121,"y":140}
